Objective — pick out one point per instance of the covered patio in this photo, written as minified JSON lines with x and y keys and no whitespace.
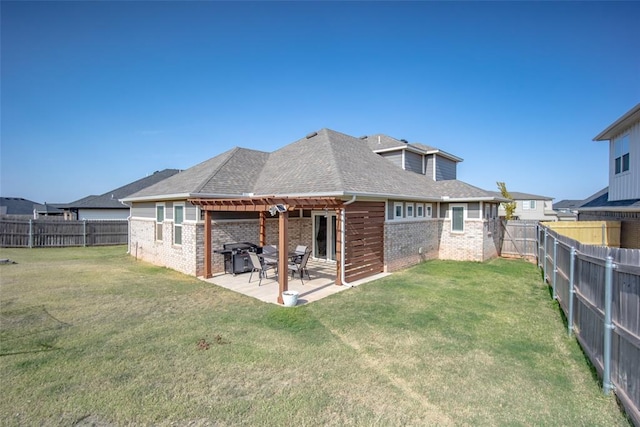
{"x":332,"y":273}
{"x":321,"y":285}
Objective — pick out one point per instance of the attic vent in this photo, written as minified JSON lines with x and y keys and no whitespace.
{"x":405,"y":141}
{"x":311,"y":135}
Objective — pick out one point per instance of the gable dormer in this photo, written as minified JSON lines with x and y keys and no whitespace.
{"x":624,"y":155}
{"x":415,"y":157}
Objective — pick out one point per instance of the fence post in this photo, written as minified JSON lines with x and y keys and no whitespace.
{"x":555,"y":266}
{"x":608,"y":326}
{"x":572,"y":278}
{"x":30,"y":233}
{"x":544,"y":258}
{"x":84,"y":233}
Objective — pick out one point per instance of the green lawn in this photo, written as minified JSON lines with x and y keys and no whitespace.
{"x":90,"y":336}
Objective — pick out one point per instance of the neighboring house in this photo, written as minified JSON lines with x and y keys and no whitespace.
{"x":620,"y":201}
{"x":567,"y":210}
{"x":530,"y":207}
{"x":108,"y":206}
{"x":348,"y":204}
{"x":19,"y":208}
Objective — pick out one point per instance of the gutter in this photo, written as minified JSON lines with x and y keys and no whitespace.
{"x":343,"y":234}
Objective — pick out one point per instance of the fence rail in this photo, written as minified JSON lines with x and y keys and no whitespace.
{"x":36,"y":233}
{"x":598,"y":289}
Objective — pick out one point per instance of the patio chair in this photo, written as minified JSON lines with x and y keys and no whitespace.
{"x":259,"y":266}
{"x":270,"y":254}
{"x":300,"y":251}
{"x":300,"y":267}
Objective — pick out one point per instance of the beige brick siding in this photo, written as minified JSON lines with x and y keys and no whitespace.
{"x":143,"y":245}
{"x":478,"y":242}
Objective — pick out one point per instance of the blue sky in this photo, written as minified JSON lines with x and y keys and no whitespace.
{"x":95,"y":95}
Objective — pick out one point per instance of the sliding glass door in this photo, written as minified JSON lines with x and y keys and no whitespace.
{"x":324,"y":235}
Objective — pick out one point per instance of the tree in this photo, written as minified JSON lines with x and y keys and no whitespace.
{"x":510,"y":207}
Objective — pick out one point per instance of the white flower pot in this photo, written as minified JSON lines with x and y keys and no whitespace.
{"x":290,"y":298}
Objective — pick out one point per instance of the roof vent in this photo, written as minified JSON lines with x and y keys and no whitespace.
{"x":364,"y":137}
{"x":405,"y":141}
{"x":311,"y":135}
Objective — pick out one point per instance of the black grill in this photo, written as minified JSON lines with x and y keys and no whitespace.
{"x":236,"y":256}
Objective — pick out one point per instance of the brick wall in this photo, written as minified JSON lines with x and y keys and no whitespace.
{"x":479,"y":241}
{"x":409,"y":242}
{"x":143,"y":245}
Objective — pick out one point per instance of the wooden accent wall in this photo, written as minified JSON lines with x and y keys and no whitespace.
{"x":364,"y":240}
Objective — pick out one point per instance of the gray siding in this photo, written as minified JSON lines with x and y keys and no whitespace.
{"x":445,"y":169}
{"x":473,"y":210}
{"x":444,"y":210}
{"x":191,"y":212}
{"x":394,"y":156}
{"x":429,"y":166}
{"x":413,"y":162}
{"x":144,"y":210}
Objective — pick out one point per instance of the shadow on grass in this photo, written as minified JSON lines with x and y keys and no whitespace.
{"x":29,"y":330}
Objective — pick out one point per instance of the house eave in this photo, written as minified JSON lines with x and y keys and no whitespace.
{"x":620,"y":125}
{"x":420,"y":151}
{"x":610,"y":209}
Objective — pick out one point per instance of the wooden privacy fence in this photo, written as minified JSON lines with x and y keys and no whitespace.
{"x":36,"y":233}
{"x":598,"y":289}
{"x":520,"y":239}
{"x":605,"y":233}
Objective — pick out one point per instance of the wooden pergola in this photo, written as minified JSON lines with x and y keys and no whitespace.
{"x":264,"y":205}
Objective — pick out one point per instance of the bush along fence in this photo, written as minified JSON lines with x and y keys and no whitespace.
{"x":34,"y":233}
{"x":598,"y":289}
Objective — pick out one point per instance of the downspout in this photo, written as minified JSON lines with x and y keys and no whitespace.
{"x":343,"y":235}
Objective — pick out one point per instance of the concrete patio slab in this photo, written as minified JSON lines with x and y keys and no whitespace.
{"x":322,"y":283}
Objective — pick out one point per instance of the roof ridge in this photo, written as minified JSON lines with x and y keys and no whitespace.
{"x":334,"y":159}
{"x":230,"y":154}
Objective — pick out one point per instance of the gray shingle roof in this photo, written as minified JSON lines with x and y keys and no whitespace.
{"x":110,"y":199}
{"x":230,"y":173}
{"x":324,"y":163}
{"x":516,"y":195}
{"x":18,"y":206}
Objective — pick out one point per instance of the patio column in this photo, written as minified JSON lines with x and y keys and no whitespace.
{"x":339,"y":249}
{"x":283,"y":254}
{"x":263,"y":228}
{"x":207,"y":244}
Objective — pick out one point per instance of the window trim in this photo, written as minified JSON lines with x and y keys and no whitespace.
{"x":621,"y":150}
{"x":177,"y":224}
{"x":160,"y":224}
{"x":410,"y":207}
{"x":428,"y":210}
{"x":464,"y":216}
{"x":419,"y":210}
{"x":397,"y":205}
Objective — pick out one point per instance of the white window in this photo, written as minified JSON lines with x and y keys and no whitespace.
{"x":428,"y":210}
{"x":621,"y":154}
{"x":159,"y":220}
{"x":457,"y":218}
{"x":419,"y":210}
{"x":178,"y":217}
{"x":409,"y":210}
{"x":398,"y":207}
{"x":528,"y":205}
